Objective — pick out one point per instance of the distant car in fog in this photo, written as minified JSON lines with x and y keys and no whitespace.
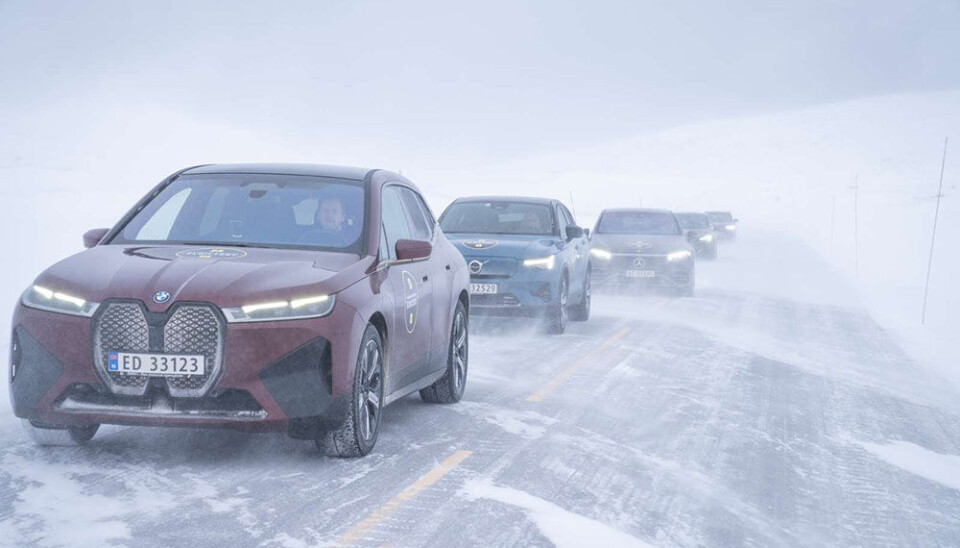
{"x":526,"y":257}
{"x":701,"y":234}
{"x":724,"y":223}
{"x":258,"y":297}
{"x":642,"y":247}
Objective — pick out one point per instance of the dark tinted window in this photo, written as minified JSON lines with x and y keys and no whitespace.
{"x":421,"y":223}
{"x":693,"y":220}
{"x":498,"y":218}
{"x":255,"y":210}
{"x":395,"y":222}
{"x":654,"y":223}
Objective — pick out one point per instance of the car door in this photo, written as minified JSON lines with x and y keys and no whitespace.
{"x":581,"y":247}
{"x":440,"y":272}
{"x":410,"y":338}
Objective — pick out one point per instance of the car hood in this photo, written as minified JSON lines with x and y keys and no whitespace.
{"x":225,"y":276}
{"x":500,"y":245}
{"x":640,"y":243}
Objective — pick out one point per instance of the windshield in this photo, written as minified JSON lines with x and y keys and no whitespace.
{"x":498,"y":218}
{"x":654,"y":223}
{"x":720,"y":217}
{"x":253,"y":210}
{"x":693,"y":220}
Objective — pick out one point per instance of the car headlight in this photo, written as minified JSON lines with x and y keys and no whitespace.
{"x":297,"y":309}
{"x":545,"y":263}
{"x":731,"y":227}
{"x":706,"y":238}
{"x":679,"y":255}
{"x":43,"y":298}
{"x":602,"y":254}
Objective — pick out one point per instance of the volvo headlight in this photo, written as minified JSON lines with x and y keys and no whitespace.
{"x":44,"y":298}
{"x":297,"y":309}
{"x":602,"y":254}
{"x":679,"y":255}
{"x":545,"y":263}
{"x":706,"y":238}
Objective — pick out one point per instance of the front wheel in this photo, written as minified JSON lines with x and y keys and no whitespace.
{"x":581,"y":311}
{"x":449,"y":388}
{"x":64,"y":437}
{"x":557,"y":315}
{"x":357,"y":434}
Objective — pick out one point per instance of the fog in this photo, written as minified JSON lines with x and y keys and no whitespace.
{"x":774,"y":112}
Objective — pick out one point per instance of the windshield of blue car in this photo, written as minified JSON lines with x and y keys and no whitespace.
{"x":720,"y":217}
{"x":693,"y":220}
{"x":498,"y":218}
{"x":253,"y":210}
{"x":653,"y":223}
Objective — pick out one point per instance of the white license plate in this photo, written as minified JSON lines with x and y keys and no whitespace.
{"x":483,"y":289}
{"x":156,"y":365}
{"x":641,"y":273}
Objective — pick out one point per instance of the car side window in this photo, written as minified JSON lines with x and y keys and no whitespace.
{"x":420,"y":224}
{"x":561,"y":221}
{"x":385,"y":252}
{"x":567,"y":215}
{"x":395,"y":222}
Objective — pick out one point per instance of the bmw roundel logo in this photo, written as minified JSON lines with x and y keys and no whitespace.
{"x":161,"y":297}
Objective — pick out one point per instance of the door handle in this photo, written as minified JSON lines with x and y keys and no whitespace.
{"x":425,"y":278}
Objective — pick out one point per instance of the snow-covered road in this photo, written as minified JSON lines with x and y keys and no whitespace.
{"x":769,"y":410}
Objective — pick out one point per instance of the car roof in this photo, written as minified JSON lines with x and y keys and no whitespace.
{"x":316,"y":170}
{"x":521,"y":199}
{"x":690,"y":213}
{"x":718,"y":211}
{"x":634,"y":210}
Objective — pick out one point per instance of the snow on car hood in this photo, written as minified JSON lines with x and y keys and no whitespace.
{"x":502,"y":245}
{"x":226,"y":276}
{"x":639,"y":243}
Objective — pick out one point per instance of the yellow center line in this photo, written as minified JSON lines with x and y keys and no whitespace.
{"x":360,"y":530}
{"x":566,"y":373}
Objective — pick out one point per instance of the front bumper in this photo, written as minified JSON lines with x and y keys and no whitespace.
{"x":525,"y":294}
{"x":274,"y":375}
{"x":666,"y":274}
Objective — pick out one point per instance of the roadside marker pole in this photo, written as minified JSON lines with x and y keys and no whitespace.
{"x":933,"y":238}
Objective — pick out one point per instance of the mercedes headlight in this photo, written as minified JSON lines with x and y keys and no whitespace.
{"x":297,"y":309}
{"x":679,"y":255}
{"x":43,"y":298}
{"x":602,"y":254}
{"x":546,"y":263}
{"x":706,"y":238}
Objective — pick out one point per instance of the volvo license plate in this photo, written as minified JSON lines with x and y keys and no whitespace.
{"x":483,"y":289}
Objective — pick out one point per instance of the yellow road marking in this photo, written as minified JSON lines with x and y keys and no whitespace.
{"x":360,"y":530}
{"x":566,"y":373}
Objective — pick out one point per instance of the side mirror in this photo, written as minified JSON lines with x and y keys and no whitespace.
{"x":93,"y":237}
{"x":413,"y":250}
{"x":574,"y":231}
{"x":586,"y":233}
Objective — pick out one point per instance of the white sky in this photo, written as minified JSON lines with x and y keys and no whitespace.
{"x":487,"y":80}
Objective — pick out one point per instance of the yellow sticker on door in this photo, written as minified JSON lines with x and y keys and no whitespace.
{"x":411,"y":300}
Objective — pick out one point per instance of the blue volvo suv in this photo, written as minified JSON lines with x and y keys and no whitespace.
{"x":526,"y":256}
